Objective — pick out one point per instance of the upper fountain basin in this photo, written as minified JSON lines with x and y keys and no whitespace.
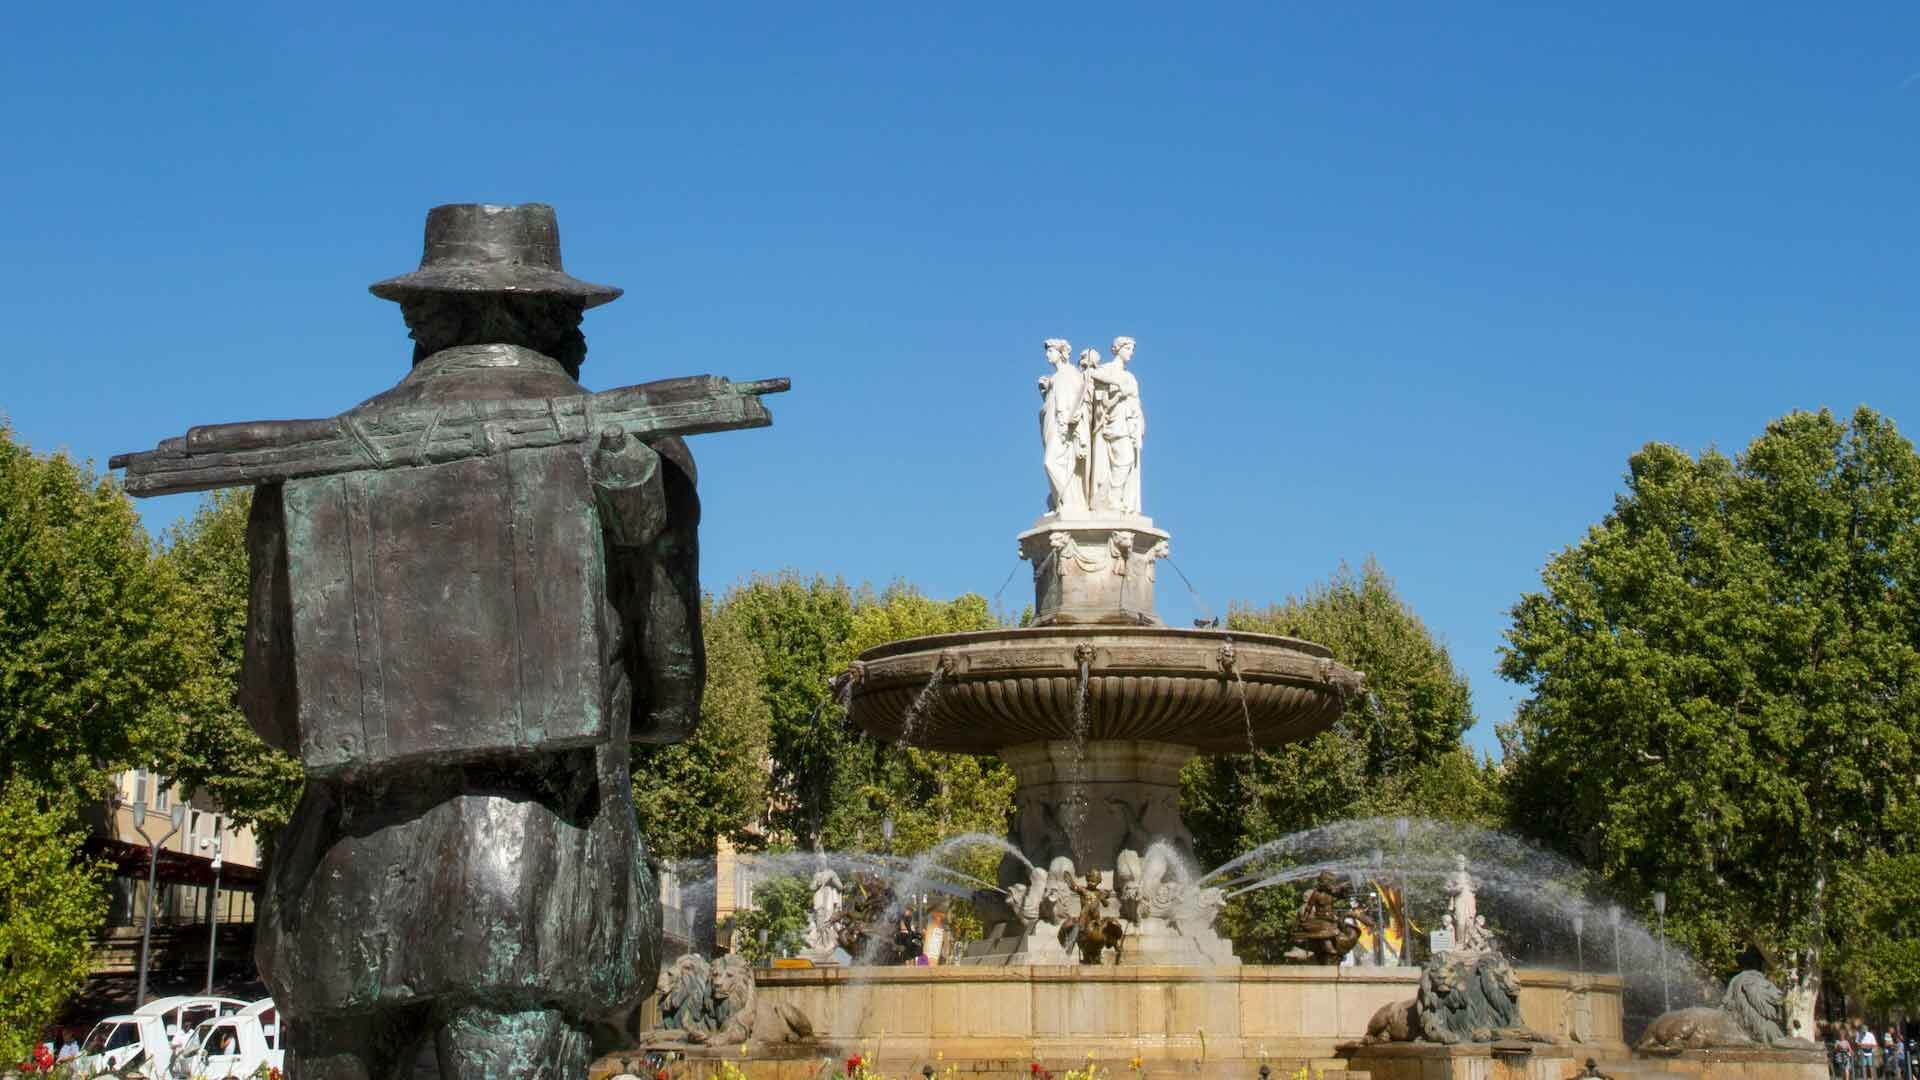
{"x":1000,"y":688}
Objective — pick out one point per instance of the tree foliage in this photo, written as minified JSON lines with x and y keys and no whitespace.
{"x":782,"y":909}
{"x":1723,"y":681}
{"x":99,"y":660}
{"x":800,"y":628}
{"x":1876,"y":910}
{"x":831,"y":783}
{"x":713,"y":785}
{"x":215,"y":748}
{"x":1397,"y":751}
{"x":51,"y":905}
{"x":928,"y":795}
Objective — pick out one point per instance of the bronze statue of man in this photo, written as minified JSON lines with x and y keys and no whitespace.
{"x":470,"y":593}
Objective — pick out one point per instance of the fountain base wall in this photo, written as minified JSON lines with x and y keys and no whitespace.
{"x":1160,"y":1014}
{"x":1533,"y":1061}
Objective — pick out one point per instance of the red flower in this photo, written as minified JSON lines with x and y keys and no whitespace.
{"x":1034,"y":1068}
{"x":660,"y":1074}
{"x":852,"y":1064}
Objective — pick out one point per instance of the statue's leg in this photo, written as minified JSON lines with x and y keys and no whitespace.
{"x":375,"y":1046}
{"x":477,"y":1043}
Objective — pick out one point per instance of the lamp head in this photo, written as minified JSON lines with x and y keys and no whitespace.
{"x":1660,"y":902}
{"x":886,"y":828}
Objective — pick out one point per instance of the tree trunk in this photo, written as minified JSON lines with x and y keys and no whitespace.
{"x":1802,"y":992}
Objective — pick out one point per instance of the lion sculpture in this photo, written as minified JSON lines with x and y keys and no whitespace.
{"x":1467,"y":998}
{"x":718,"y":1003}
{"x":686,"y":999}
{"x":1396,"y":1021}
{"x":1752,"y":1012}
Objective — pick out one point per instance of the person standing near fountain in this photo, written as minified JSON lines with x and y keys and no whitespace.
{"x":1120,"y":426}
{"x":1063,"y":430}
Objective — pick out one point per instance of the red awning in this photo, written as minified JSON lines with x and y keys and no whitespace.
{"x":176,"y":867}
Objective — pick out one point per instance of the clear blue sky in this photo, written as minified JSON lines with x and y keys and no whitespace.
{"x":1409,"y":281}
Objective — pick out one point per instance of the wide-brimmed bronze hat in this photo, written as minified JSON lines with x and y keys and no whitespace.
{"x":480,"y":248}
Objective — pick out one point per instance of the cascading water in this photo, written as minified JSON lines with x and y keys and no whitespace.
{"x":909,"y":724}
{"x":1232,"y":663}
{"x":1077,"y":801}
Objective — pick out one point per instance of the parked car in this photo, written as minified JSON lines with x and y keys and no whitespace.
{"x":125,"y":1043}
{"x":232,"y":1047}
{"x":144,"y":1039}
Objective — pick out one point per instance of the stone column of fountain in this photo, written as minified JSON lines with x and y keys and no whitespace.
{"x":1097,"y":704}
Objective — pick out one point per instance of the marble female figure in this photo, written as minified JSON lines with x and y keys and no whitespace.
{"x":1120,"y":427}
{"x":1063,"y":430}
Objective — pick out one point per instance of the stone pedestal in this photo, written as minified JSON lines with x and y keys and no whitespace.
{"x":1093,"y":568}
{"x":1090,"y":801}
{"x":1112,"y":806}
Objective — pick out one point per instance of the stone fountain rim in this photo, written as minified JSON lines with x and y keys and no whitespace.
{"x":935,"y":642}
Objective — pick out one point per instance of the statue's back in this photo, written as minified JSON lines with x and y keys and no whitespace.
{"x":447,"y":612}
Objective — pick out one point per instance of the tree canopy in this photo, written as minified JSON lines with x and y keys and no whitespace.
{"x":1723,"y":682}
{"x":830,"y":783}
{"x":215,"y":748}
{"x":51,"y":904}
{"x":691,"y":794}
{"x":100,"y":662}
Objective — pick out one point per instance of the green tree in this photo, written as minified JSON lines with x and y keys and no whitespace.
{"x":1398,"y":751}
{"x":800,"y":628}
{"x":1723,"y":681}
{"x":51,"y":905}
{"x":782,"y":908}
{"x":1877,"y":915}
{"x":689,"y":794}
{"x":929,"y":795}
{"x":99,"y":658}
{"x":215,"y":748}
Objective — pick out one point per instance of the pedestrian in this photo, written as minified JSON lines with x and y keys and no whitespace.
{"x":1864,"y":1045}
{"x":70,"y":1047}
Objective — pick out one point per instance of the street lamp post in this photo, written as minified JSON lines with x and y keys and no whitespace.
{"x":1660,"y":909}
{"x":1379,"y":913}
{"x":213,"y":902}
{"x":1401,"y":826}
{"x":177,"y":816}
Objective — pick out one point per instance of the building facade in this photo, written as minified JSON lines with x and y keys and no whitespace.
{"x":206,"y":877}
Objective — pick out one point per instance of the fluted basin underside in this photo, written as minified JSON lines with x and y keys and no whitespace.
{"x":999,"y":688}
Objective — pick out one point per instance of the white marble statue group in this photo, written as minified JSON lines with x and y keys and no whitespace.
{"x":823,"y":938}
{"x":1091,"y":426}
{"x":1463,"y":918}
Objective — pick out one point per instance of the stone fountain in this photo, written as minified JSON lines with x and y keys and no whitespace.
{"x":1097,"y":704}
{"x":1099,"y":942}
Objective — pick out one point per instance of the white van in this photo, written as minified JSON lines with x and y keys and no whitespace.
{"x":145,"y":1039}
{"x":233,"y":1047}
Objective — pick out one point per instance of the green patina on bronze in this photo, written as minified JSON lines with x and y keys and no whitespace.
{"x":469,"y":595}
